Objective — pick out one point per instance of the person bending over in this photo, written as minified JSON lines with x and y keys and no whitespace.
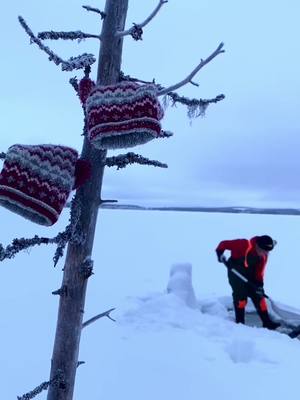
{"x":249,"y":258}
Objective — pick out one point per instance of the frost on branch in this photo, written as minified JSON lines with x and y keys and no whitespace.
{"x":74,"y":82}
{"x":196,"y":107}
{"x":136,"y":31}
{"x":82,"y":61}
{"x":122,"y":160}
{"x":73,"y":35}
{"x":70,"y":234}
{"x":73,"y":63}
{"x":57,"y":380}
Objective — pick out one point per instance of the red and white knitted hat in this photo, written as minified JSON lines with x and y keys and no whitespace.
{"x":36,"y":181}
{"x":123,"y":115}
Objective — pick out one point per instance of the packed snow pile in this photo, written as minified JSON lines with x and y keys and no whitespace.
{"x":180,"y":283}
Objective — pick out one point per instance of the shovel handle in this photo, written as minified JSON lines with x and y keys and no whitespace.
{"x":242,"y":277}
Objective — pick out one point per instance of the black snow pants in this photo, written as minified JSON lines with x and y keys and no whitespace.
{"x":240,"y":293}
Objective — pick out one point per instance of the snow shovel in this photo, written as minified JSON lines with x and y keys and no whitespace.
{"x":295,"y":330}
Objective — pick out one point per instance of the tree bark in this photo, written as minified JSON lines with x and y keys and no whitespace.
{"x":71,"y":305}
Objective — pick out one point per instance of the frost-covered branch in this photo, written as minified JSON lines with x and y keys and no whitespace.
{"x":78,"y":62}
{"x":196,"y":107}
{"x":122,"y":160}
{"x":73,"y":63}
{"x":189,"y":78}
{"x":2,"y":156}
{"x":73,"y":35}
{"x":166,"y":134}
{"x":71,"y":233}
{"x":74,"y":82}
{"x":33,"y":39}
{"x":96,"y":10}
{"x":23,"y":244}
{"x":57,"y":380}
{"x":137,"y":30}
{"x":104,"y":314}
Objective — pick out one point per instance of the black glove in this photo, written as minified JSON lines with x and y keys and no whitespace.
{"x":260,"y":290}
{"x":221,"y":257}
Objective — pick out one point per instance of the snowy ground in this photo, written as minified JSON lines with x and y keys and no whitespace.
{"x":158,"y":348}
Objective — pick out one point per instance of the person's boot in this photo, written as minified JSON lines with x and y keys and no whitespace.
{"x":239,"y":315}
{"x":267,"y":322}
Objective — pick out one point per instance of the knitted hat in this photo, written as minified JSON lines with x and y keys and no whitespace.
{"x":265,"y":242}
{"x":36,"y":181}
{"x":123,"y":115}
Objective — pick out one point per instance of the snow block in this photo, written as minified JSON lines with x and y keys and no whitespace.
{"x":180,"y":283}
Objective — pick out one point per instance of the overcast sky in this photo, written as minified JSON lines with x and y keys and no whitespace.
{"x":244,"y":152}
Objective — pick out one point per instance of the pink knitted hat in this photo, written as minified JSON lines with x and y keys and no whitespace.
{"x":36,"y":181}
{"x":123,"y":115}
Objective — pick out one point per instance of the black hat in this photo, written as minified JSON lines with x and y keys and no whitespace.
{"x":265,"y":242}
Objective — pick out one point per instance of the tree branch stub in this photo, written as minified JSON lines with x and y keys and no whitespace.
{"x":104,"y":314}
{"x":95,"y":10}
{"x":136,"y":30}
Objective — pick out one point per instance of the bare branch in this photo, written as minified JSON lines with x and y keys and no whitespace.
{"x":73,"y":63}
{"x":137,"y":30}
{"x":96,"y":10}
{"x":2,"y":156}
{"x":63,"y":291}
{"x":124,"y":77}
{"x":107,"y":201}
{"x":122,"y":160}
{"x":194,"y":72}
{"x":73,"y":35}
{"x":104,"y":314}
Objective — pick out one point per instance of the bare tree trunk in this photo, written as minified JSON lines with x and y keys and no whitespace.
{"x":71,"y":305}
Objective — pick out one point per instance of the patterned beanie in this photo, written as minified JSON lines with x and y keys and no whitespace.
{"x":35,"y":181}
{"x":123,"y":115}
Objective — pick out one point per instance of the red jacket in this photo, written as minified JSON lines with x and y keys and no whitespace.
{"x":244,"y":254}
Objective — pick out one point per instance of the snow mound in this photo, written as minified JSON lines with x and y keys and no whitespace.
{"x":180,"y":283}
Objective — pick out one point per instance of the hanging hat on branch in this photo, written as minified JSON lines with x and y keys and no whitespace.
{"x":85,"y":87}
{"x":36,"y":180}
{"x":123,"y":115}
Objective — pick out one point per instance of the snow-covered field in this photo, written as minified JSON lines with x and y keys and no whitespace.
{"x":158,"y":348}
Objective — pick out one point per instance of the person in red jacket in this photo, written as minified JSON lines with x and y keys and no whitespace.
{"x":249,"y":258}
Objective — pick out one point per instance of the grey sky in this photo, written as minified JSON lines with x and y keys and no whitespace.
{"x":245,"y":151}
